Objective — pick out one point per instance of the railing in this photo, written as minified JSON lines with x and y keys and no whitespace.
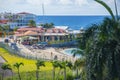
{"x":19,"y":52}
{"x":27,"y":53}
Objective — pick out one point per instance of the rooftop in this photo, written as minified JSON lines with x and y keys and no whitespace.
{"x":23,"y":13}
{"x":3,"y":21}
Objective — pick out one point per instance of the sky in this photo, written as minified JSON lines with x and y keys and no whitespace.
{"x":57,"y":7}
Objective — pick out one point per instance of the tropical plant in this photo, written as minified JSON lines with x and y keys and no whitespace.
{"x":32,"y":23}
{"x":6,"y":67}
{"x":63,"y":65}
{"x":79,"y":64}
{"x":101,"y":46}
{"x":15,"y":28}
{"x":5,"y":29}
{"x":17,"y":65}
{"x":1,"y":30}
{"x":47,"y":25}
{"x":55,"y":65}
{"x":38,"y":65}
{"x":107,"y":7}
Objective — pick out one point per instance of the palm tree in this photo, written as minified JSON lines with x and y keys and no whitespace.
{"x":1,"y":30}
{"x":17,"y":65}
{"x":38,"y":65}
{"x":6,"y":67}
{"x":101,"y":46}
{"x":107,"y":7}
{"x":6,"y":29}
{"x":32,"y":23}
{"x":55,"y":65}
{"x":64,"y":65}
{"x":47,"y":25}
{"x":15,"y":28}
{"x":79,"y":64}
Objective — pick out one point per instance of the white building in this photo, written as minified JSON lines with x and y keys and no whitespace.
{"x":16,"y":20}
{"x":24,"y":18}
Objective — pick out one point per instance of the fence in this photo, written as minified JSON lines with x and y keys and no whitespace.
{"x":65,"y":44}
{"x":19,"y":52}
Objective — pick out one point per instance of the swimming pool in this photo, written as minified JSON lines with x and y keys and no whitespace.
{"x":70,"y":52}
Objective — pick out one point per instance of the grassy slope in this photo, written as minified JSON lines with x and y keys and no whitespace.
{"x":29,"y":65}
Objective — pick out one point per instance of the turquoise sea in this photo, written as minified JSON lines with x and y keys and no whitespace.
{"x":74,"y":22}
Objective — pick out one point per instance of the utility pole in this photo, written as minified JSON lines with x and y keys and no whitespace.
{"x":43,"y":21}
{"x":43,"y":9}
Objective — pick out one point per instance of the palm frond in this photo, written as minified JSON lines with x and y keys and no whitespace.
{"x":77,"y":52}
{"x":6,"y":66}
{"x":107,"y":7}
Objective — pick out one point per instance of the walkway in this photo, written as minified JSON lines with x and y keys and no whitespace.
{"x":2,"y":60}
{"x":6,"y":72}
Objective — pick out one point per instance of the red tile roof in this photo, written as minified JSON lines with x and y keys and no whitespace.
{"x":23,"y":13}
{"x":3,"y":21}
{"x":30,"y":33}
{"x":36,"y":31}
{"x":30,"y":29}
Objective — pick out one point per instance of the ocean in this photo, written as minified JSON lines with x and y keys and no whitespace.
{"x":74,"y":22}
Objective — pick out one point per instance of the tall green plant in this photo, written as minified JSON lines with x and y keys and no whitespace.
{"x":6,"y":67}
{"x":39,"y":63}
{"x":63,"y":65}
{"x":107,"y":7}
{"x":55,"y":65}
{"x":17,"y":65}
{"x":32,"y":23}
{"x":79,"y":64}
{"x":101,"y":46}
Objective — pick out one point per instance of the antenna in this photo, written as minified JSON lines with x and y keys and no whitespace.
{"x":43,"y":11}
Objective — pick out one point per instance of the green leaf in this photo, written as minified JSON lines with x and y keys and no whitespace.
{"x":107,"y":7}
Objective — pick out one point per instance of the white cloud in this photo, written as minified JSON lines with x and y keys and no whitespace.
{"x":65,"y":2}
{"x":81,"y":2}
{"x":39,"y":2}
{"x":58,"y":7}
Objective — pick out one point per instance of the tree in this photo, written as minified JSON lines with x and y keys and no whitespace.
{"x":107,"y":7}
{"x":1,"y":30}
{"x":47,"y":25}
{"x":32,"y":23}
{"x":6,"y":67}
{"x":55,"y":65}
{"x":17,"y":65}
{"x":79,"y":64}
{"x":15,"y":28}
{"x":64,"y":65}
{"x":101,"y":46}
{"x":38,"y":65}
{"x":5,"y":29}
